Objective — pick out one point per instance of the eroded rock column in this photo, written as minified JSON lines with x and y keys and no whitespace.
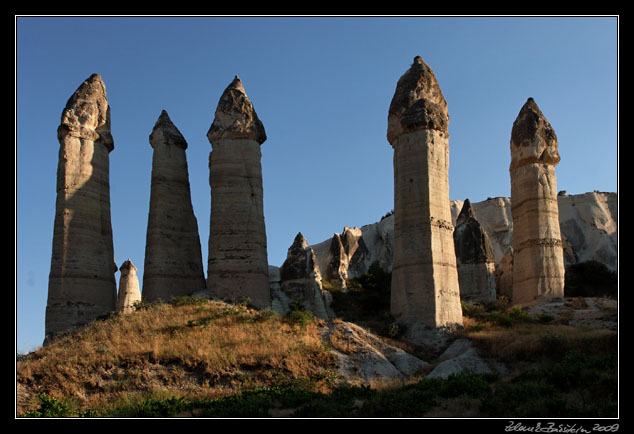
{"x":173,"y":259}
{"x":538,"y":262}
{"x":82,"y":284}
{"x":425,"y":290}
{"x":238,"y":264}
{"x":129,"y":291}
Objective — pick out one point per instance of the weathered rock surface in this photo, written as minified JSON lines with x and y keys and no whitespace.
{"x":238,"y":265}
{"x":346,"y":256}
{"x":588,"y":225}
{"x":363,"y":357}
{"x":504,"y":275}
{"x":425,"y":289}
{"x":474,"y":257}
{"x":462,"y":356}
{"x":300,"y":282}
{"x":173,"y":259}
{"x":538,"y":271}
{"x":129,"y":291}
{"x":589,"y":312}
{"x":82,"y":284}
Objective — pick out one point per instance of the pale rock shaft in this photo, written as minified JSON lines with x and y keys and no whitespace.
{"x":129,"y":291}
{"x":538,"y":261}
{"x":425,"y":290}
{"x":173,"y":260}
{"x":82,"y":284}
{"x":238,"y":264}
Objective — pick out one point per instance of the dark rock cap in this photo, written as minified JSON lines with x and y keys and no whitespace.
{"x":87,"y":113}
{"x":166,"y":131}
{"x":533,"y":139}
{"x":127,"y":266}
{"x":235,"y":117}
{"x":418,"y":102}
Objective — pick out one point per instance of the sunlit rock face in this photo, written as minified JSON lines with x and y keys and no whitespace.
{"x":173,"y":260}
{"x":129,"y":291}
{"x":238,"y":264}
{"x":425,"y":289}
{"x":538,"y":257}
{"x":82,"y":285}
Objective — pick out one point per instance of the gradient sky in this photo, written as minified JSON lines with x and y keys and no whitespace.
{"x":322,"y":87}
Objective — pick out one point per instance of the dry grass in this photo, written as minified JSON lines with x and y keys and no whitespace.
{"x":532,"y":342}
{"x":198,"y":350}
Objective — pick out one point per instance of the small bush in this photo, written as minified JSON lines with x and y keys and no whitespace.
{"x":367,"y":297}
{"x":590,"y":279}
{"x":49,"y":407}
{"x":188,"y":300}
{"x":299,"y":316}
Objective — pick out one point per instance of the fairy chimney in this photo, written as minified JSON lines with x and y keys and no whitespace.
{"x":237,"y":263}
{"x":82,"y":284}
{"x":538,"y":260}
{"x":173,"y":260}
{"x":425,"y":290}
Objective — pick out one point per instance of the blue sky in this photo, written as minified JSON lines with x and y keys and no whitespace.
{"x":322,"y":87}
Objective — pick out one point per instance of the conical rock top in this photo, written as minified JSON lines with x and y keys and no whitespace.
{"x":472,"y":244}
{"x":466,"y":213}
{"x":300,"y":260}
{"x":299,"y":243}
{"x":533,"y":139}
{"x":418,"y":102}
{"x":165,"y":131}
{"x":235,"y":117}
{"x":87,"y":113}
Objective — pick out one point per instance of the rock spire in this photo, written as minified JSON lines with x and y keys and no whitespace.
{"x":474,"y":257}
{"x":129,"y":292}
{"x":173,"y":260}
{"x":82,"y":284}
{"x":300,"y":278}
{"x":238,"y":264}
{"x":538,"y":261}
{"x":425,"y":289}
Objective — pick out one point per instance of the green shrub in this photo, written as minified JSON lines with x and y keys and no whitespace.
{"x":188,"y":300}
{"x":49,"y":407}
{"x":298,"y":315}
{"x":367,"y":297}
{"x":590,"y":279}
{"x":509,"y":318}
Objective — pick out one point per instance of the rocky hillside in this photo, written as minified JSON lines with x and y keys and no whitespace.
{"x":194,"y":357}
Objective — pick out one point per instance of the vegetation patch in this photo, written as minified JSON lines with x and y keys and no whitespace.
{"x":590,"y":279}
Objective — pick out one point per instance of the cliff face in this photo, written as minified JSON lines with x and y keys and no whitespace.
{"x":588,"y":225}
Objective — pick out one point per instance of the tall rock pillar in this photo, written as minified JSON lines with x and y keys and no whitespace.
{"x":238,"y":264}
{"x":425,"y":290}
{"x":538,"y":262}
{"x":82,"y":284}
{"x":173,"y":259}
